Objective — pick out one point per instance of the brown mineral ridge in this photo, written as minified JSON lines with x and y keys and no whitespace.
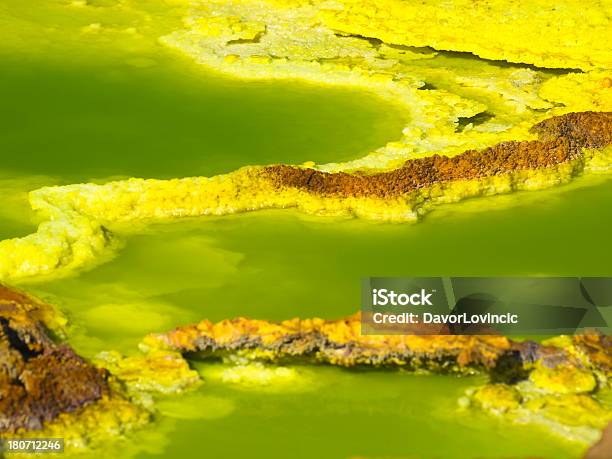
{"x":39,"y":379}
{"x":603,"y":448}
{"x":561,"y":139}
{"x":340,"y":342}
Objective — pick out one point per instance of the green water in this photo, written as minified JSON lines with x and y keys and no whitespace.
{"x":348,"y":414}
{"x":80,"y":119}
{"x":94,"y":121}
{"x":63,"y":123}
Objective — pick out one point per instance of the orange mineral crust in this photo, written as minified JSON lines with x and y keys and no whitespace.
{"x":338,"y":342}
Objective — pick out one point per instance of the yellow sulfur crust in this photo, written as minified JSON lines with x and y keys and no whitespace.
{"x":546,"y":33}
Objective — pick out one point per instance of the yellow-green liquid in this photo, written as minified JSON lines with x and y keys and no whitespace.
{"x":66,"y":120}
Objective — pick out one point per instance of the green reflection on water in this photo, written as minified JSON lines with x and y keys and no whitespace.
{"x":97,"y":120}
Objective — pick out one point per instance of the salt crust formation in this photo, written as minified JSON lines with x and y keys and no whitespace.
{"x":78,"y":218}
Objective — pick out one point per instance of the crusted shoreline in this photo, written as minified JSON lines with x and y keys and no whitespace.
{"x":554,"y":384}
{"x":46,"y":389}
{"x":80,"y":219}
{"x":337,"y":342}
{"x":39,"y":379}
{"x":340,"y":342}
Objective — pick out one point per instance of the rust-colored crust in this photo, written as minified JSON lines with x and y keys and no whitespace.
{"x":340,"y":342}
{"x":585,"y":129}
{"x":337,"y":341}
{"x":39,"y":379}
{"x":561,"y":139}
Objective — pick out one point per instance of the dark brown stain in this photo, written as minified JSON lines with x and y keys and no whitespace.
{"x":39,"y":379}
